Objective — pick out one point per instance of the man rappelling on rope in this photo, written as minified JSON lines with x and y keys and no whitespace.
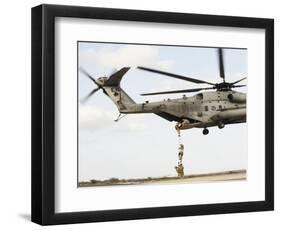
{"x":179,"y":168}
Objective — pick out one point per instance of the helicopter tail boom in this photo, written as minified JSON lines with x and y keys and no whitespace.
{"x":119,"y":97}
{"x":112,"y":89}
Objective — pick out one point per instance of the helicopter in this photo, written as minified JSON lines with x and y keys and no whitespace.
{"x":217,"y":105}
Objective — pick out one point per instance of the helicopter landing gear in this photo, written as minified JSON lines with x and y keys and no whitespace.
{"x":221,"y":125}
{"x":120,"y":116}
{"x":205,"y":131}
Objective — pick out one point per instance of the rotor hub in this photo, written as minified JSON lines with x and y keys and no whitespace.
{"x":223,"y":86}
{"x":101,"y":80}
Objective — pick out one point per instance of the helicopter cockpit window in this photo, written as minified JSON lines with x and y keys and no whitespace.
{"x":199,"y":96}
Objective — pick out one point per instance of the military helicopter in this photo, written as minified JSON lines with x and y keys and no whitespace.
{"x":219,"y":107}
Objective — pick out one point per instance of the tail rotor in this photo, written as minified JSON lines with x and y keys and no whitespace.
{"x":113,"y":80}
{"x":93,"y":80}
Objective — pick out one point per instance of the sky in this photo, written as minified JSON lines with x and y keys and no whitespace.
{"x":145,"y":145}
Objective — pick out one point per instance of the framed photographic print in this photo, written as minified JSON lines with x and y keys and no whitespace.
{"x":143,"y":114}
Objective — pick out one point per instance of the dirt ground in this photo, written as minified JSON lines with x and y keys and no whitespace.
{"x":206,"y":178}
{"x":199,"y":178}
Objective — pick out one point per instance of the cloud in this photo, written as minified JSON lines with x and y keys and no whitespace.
{"x":92,"y":118}
{"x":133,"y":123}
{"x":129,"y":55}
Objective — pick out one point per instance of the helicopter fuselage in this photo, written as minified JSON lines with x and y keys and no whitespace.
{"x":215,"y":108}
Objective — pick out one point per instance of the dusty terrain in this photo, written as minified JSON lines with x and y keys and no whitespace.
{"x":219,"y":176}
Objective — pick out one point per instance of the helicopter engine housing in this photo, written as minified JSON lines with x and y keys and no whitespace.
{"x":237,"y":98}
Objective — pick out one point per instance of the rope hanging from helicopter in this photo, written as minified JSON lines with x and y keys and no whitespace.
{"x":180,"y":168}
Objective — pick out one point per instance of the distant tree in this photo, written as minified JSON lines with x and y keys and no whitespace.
{"x":113,"y":180}
{"x":94,"y":181}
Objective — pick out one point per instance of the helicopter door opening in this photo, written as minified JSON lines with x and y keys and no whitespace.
{"x":199,"y":96}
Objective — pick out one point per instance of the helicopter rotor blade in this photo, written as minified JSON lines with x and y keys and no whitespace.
{"x":88,"y":75}
{"x":89,"y":95}
{"x":221,"y":64}
{"x":233,"y":83}
{"x":237,"y":86}
{"x":175,"y":75}
{"x":177,"y":91}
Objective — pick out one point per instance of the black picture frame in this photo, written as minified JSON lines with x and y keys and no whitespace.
{"x":43,"y":114}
